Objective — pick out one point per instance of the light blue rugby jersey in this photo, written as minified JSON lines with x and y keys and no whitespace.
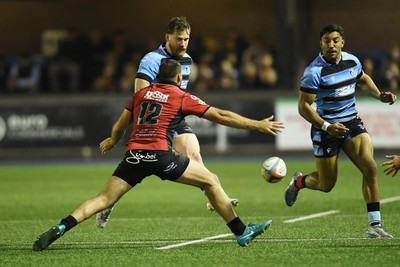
{"x":150,"y":65}
{"x":334,"y":86}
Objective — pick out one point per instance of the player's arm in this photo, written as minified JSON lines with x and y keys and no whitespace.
{"x":308,"y":113}
{"x":118,"y":131}
{"x":140,"y":84}
{"x":232,"y":119}
{"x":368,"y":86}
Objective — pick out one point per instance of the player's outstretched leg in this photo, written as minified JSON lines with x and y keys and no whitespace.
{"x":292,"y":191}
{"x":103,"y":216}
{"x":251,"y":232}
{"x":234,"y":202}
{"x":48,"y":237}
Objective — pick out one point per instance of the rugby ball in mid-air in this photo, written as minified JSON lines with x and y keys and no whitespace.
{"x":273,"y":170}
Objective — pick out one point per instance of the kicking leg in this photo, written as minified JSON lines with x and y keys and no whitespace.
{"x":198,"y":175}
{"x":114,"y":189}
{"x":187,"y":144}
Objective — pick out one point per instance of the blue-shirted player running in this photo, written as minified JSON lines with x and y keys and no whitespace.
{"x":175,"y":46}
{"x":330,"y":82}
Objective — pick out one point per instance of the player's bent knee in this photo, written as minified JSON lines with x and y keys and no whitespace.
{"x":212,"y":181}
{"x":370,"y":169}
{"x":326,"y":189}
{"x":196,"y":156}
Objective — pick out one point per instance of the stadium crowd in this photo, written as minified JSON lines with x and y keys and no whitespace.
{"x":107,"y":63}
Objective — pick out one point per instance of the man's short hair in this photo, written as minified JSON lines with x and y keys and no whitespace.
{"x":332,"y":28}
{"x":177,"y":24}
{"x":169,"y":68}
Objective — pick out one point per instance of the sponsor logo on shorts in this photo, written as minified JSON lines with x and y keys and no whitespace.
{"x":137,"y":157}
{"x":170,"y":167}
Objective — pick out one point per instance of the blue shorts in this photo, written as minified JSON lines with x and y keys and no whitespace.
{"x":182,"y":128}
{"x":326,"y":145}
{"x":138,"y":164}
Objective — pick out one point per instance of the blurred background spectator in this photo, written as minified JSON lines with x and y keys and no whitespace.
{"x":4,"y":69}
{"x":391,"y":68}
{"x":65,"y":67}
{"x":247,"y":53}
{"x":24,"y":73}
{"x":97,"y":62}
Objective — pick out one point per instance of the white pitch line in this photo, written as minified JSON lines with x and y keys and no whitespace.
{"x":194,"y":241}
{"x":390,"y":199}
{"x":315,"y":215}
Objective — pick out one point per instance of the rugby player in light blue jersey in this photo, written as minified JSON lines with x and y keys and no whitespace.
{"x":175,"y":46}
{"x":330,"y":82}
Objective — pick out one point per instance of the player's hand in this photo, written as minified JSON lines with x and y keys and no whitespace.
{"x":337,"y":129}
{"x":270,"y":126}
{"x":106,"y":145}
{"x":393,"y":165}
{"x":387,"y":97}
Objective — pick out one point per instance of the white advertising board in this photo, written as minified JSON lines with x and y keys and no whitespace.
{"x":381,"y":120}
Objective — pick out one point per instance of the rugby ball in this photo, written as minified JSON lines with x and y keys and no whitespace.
{"x":273,"y":169}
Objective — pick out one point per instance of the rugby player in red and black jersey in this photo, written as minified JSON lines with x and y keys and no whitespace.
{"x":156,"y":110}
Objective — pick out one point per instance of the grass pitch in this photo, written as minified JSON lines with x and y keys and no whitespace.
{"x":167,"y":224}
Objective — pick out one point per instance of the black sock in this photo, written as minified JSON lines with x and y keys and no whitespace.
{"x":374,"y":206}
{"x":237,"y":226}
{"x":69,"y":222}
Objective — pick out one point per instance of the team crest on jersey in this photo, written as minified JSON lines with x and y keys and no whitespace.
{"x":201,"y":102}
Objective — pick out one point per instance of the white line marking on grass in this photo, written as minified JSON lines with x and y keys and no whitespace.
{"x":194,"y":241}
{"x":312,"y":216}
{"x":390,"y":199}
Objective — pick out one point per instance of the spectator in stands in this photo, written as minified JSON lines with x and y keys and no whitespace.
{"x":369,"y":67}
{"x":228,"y":76}
{"x":125,"y":83}
{"x":4,"y":69}
{"x":122,"y":49}
{"x":64,"y":70}
{"x":267,"y":74}
{"x":236,"y":43}
{"x":205,"y":80}
{"x":392,"y":76}
{"x":96,"y":49}
{"x":249,"y":75}
{"x":390,"y":68}
{"x":107,"y":81}
{"x":24,"y":74}
{"x":253,"y":52}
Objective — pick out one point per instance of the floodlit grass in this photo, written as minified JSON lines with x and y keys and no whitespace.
{"x":158,"y":214}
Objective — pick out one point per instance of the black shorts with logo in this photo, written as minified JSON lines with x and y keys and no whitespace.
{"x":138,"y":164}
{"x":326,"y":145}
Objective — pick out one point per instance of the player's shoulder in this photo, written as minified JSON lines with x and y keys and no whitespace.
{"x":315,"y":66}
{"x":186,"y":55}
{"x":346,"y":56}
{"x":155,"y":55}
